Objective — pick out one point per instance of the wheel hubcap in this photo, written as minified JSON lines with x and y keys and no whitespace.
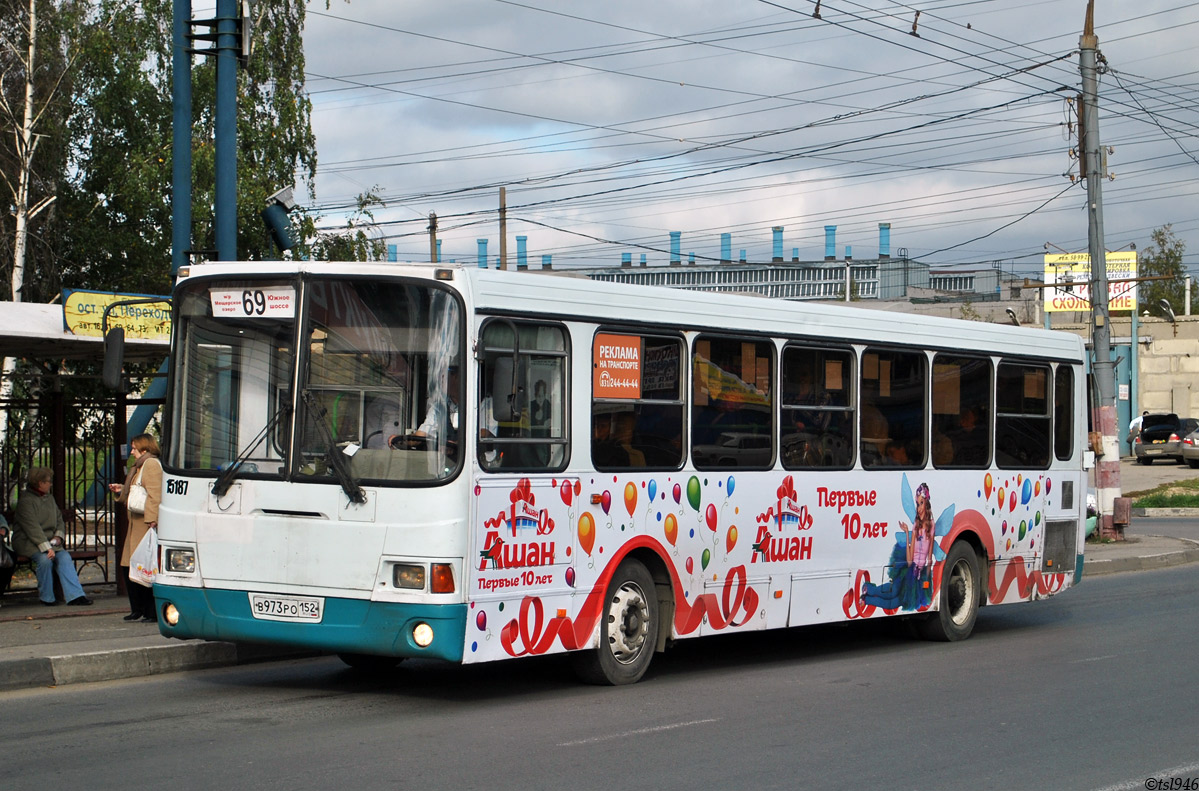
{"x":960,"y":592}
{"x":628,"y":623}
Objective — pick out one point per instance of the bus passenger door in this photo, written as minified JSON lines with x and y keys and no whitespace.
{"x":520,"y":562}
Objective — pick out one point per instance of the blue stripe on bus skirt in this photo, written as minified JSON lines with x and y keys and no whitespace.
{"x":347,"y":626}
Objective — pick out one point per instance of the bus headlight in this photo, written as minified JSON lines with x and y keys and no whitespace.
{"x":408,"y":575}
{"x":422,"y":635}
{"x":181,"y":561}
{"x":170,"y":614}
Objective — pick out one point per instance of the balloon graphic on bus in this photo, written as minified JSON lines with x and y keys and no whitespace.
{"x":587,"y":531}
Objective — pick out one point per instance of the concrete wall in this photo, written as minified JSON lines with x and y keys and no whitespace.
{"x":1167,"y":361}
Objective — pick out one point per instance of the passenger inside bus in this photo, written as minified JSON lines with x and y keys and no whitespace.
{"x":970,"y":441}
{"x":605,"y":450}
{"x":626,"y":425}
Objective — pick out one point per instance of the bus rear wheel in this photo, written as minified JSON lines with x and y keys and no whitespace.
{"x":628,"y":629}
{"x":958,"y":599}
{"x":371,"y":663}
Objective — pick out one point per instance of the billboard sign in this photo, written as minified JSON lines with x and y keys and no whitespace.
{"x":1068,"y":281}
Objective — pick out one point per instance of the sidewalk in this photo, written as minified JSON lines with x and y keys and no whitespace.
{"x":49,"y":646}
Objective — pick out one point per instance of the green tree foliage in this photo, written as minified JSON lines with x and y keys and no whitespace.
{"x":116,"y":211}
{"x":275,"y":144}
{"x":58,"y":24}
{"x":1163,"y":258}
{"x":354,"y":242}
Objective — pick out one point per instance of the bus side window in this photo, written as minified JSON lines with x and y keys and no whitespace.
{"x":817,"y":423}
{"x":522,"y":410}
{"x":961,"y":411}
{"x":1063,"y":412}
{"x":732,"y":404}
{"x":637,"y":410}
{"x":894,"y":387}
{"x":1022,"y":424}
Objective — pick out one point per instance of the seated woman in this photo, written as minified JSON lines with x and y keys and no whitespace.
{"x":39,"y":533}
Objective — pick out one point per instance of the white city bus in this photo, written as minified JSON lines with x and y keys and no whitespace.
{"x":389,"y":461}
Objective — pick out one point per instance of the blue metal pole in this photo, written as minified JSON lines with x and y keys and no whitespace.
{"x":1134,"y":379}
{"x":225,"y":208}
{"x":181,"y":136}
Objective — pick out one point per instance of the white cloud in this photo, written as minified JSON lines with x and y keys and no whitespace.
{"x":633,"y":119}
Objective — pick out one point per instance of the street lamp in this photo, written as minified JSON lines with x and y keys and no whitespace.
{"x":1164,"y":304}
{"x":1011,"y":314}
{"x":277,"y":222}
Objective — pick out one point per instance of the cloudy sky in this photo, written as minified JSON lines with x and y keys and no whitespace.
{"x":613,"y":123}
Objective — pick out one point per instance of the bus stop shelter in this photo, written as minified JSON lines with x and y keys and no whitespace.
{"x":66,"y":420}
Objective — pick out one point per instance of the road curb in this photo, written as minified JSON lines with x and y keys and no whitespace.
{"x":135,"y":663}
{"x":1096,"y":566}
{"x":1160,"y":513}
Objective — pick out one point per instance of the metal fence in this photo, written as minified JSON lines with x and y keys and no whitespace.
{"x":73,"y":437}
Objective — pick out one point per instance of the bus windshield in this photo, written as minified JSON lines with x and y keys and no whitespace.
{"x":369,"y":391}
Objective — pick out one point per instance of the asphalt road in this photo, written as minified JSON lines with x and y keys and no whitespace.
{"x":1140,"y":478}
{"x":1095,"y":689}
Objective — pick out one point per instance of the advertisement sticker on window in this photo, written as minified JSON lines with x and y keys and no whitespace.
{"x":617,"y":366}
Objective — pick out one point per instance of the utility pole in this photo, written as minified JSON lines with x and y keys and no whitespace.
{"x":503,"y":228}
{"x":228,"y":45}
{"x":181,"y":136}
{"x":433,"y":237}
{"x":1107,"y":469}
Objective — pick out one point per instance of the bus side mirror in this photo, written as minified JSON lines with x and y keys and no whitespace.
{"x":114,"y":358}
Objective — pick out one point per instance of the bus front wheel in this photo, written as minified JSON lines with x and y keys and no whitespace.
{"x":628,"y":629}
{"x":958,"y":598}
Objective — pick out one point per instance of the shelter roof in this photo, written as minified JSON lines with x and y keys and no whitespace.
{"x":36,"y":331}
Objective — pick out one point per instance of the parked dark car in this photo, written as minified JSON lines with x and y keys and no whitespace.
{"x":1160,"y":436}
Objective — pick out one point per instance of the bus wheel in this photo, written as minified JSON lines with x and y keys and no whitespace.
{"x":628,"y":629}
{"x":371,"y":663}
{"x":960,"y":588}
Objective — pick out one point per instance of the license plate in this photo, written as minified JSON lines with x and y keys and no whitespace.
{"x":302,"y":609}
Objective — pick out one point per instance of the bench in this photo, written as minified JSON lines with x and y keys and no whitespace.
{"x":85,"y":555}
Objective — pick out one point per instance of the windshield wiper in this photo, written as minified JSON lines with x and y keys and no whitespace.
{"x":223,"y":481}
{"x":336,"y":459}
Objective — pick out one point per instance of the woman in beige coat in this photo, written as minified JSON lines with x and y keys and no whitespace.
{"x":147,"y":471}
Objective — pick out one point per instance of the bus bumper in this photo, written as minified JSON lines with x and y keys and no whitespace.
{"x":352,"y":626}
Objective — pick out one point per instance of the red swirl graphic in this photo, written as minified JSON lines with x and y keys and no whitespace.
{"x":852,"y":604}
{"x":531,"y":633}
{"x":1014,"y":572}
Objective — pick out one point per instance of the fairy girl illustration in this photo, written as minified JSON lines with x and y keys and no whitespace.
{"x":916,"y":551}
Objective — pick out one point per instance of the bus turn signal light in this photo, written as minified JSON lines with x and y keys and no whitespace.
{"x":442,"y":578}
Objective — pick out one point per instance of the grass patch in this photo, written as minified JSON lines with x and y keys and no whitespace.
{"x":1179,"y":494}
{"x":1167,"y":501}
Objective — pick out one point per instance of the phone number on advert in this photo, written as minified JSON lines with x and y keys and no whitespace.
{"x":1172,"y":784}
